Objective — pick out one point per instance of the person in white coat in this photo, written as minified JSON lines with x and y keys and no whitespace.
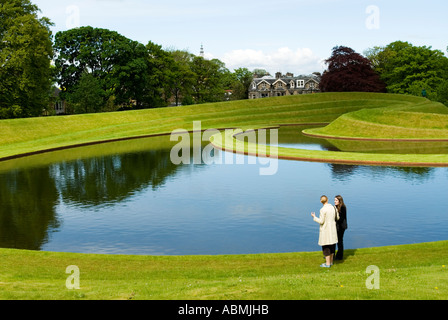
{"x":328,"y":236}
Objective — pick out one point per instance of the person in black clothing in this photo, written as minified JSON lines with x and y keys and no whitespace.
{"x":341,"y":225}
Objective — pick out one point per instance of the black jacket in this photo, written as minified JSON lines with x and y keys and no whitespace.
{"x":342,"y":222}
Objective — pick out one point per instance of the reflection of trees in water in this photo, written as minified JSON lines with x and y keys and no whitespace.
{"x":28,"y":199}
{"x":29,"y":196}
{"x":113,"y":178}
{"x":343,"y":172}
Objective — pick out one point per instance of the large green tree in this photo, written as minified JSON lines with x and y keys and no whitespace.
{"x":25,"y":56}
{"x":410,"y":69}
{"x":242,"y":79}
{"x":209,"y":79}
{"x":160,"y":75}
{"x":117,"y":62}
{"x":88,"y":96}
{"x":182,"y":76}
{"x":129,"y":77}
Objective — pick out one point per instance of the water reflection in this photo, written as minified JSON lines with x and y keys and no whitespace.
{"x":128,"y":197}
{"x":292,"y":137}
{"x":344,"y":172}
{"x":30,"y":195}
{"x":111,"y":179}
{"x":27,"y":213}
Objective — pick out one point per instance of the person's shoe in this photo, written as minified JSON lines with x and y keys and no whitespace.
{"x":324,"y":265}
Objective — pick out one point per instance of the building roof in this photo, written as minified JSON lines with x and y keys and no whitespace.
{"x":286,"y":80}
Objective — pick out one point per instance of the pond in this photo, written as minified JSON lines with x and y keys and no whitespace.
{"x":129,"y":198}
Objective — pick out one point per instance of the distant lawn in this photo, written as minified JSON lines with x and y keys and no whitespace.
{"x":417,"y":271}
{"x":350,"y":114}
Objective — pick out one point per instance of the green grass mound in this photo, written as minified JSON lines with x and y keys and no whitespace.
{"x":355,"y":114}
{"x":424,"y":120}
{"x":22,"y":136}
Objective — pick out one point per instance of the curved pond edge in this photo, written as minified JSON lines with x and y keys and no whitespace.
{"x":91,"y":143}
{"x":323,"y":136}
{"x":336,"y":157}
{"x":230,"y":144}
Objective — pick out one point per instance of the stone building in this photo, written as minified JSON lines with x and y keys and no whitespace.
{"x":283,"y":85}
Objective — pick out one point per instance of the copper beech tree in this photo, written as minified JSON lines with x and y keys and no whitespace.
{"x":349,"y":71}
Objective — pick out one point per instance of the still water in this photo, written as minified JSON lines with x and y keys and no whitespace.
{"x":129,"y":198}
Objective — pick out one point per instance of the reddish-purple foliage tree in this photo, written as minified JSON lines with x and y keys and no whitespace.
{"x":350,"y":71}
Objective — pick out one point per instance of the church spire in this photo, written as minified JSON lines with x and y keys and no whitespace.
{"x":202,"y":51}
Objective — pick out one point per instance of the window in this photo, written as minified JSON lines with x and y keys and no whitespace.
{"x":300,"y":83}
{"x":291,"y":84}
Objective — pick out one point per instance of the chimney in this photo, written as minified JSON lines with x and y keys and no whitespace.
{"x":278,"y":75}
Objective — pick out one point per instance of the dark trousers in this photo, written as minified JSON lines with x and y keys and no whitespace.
{"x":340,"y":254}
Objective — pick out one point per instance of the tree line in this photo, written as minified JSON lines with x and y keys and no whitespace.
{"x":399,"y":67}
{"x":25,"y":60}
{"x":100,"y":70}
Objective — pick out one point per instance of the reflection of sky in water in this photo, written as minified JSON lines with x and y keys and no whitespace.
{"x":292,"y":137}
{"x":141,"y":204}
{"x":309,"y":146}
{"x":222,"y":209}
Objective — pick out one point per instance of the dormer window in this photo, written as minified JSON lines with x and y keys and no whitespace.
{"x":291,"y":84}
{"x":300,"y":83}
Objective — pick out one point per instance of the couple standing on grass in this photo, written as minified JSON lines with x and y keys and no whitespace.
{"x":333,"y":222}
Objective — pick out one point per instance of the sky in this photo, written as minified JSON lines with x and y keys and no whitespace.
{"x":277,"y":35}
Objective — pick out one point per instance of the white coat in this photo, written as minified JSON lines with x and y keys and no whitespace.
{"x":327,"y":221}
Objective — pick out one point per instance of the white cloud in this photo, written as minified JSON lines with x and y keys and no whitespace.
{"x":298,"y":61}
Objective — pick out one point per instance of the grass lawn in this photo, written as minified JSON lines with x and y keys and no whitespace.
{"x":351,"y":115}
{"x":417,"y":271}
{"x":390,"y":122}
